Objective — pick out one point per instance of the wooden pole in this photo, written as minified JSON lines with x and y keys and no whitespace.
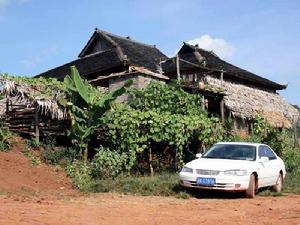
{"x":222,"y":101}
{"x":295,"y":132}
{"x":222,"y":79}
{"x":203,"y":102}
{"x":178,"y":67}
{"x":222,"y":111}
{"x":37,"y":131}
{"x":7,"y":106}
{"x":150,"y":162}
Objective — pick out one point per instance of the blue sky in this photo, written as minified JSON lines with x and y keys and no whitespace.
{"x":260,"y":36}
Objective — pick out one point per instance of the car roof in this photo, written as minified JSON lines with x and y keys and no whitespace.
{"x":240,"y":143}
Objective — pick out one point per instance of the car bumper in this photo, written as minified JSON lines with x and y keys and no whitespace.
{"x":223,"y":182}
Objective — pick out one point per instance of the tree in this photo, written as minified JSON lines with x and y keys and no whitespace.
{"x":87,"y":105}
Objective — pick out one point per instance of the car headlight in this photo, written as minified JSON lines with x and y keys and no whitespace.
{"x":235,"y":172}
{"x":187,"y":169}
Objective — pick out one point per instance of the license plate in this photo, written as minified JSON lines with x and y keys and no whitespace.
{"x":204,"y":181}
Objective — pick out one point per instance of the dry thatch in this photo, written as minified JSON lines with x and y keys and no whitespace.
{"x":33,"y":96}
{"x":246,"y":102}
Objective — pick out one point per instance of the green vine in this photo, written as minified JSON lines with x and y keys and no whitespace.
{"x":161,"y":114}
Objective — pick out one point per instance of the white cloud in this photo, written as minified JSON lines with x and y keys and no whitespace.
{"x":218,"y":45}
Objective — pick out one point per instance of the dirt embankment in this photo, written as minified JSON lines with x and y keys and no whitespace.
{"x":36,"y":195}
{"x":18,"y":175}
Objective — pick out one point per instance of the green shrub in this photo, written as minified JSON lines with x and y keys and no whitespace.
{"x":291,"y":157}
{"x":58,"y":155}
{"x":80,"y":173}
{"x":32,"y":143}
{"x":35,"y":161}
{"x":5,"y":138}
{"x":107,"y":163}
{"x":292,"y":182}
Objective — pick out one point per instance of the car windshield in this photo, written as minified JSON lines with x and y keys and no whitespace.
{"x":231,"y":151}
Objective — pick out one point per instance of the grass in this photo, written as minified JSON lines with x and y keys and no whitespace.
{"x":165,"y":184}
{"x":34,"y":160}
{"x":292,"y":183}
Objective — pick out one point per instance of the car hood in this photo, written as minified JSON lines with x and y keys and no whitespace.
{"x":219,"y":164}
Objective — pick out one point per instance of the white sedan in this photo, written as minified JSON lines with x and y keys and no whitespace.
{"x":235,"y":166}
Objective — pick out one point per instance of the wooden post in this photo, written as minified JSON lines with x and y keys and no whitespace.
{"x":178,"y":67}
{"x":7,"y":106}
{"x":37,"y":131}
{"x":222,"y":101}
{"x":222,"y":79}
{"x":295,"y":131}
{"x":203,"y":102}
{"x":222,"y":111}
{"x":150,"y":162}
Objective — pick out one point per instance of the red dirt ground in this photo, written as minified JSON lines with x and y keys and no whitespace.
{"x":36,"y":195}
{"x":18,"y":175}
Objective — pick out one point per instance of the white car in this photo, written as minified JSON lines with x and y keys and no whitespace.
{"x":235,"y":166}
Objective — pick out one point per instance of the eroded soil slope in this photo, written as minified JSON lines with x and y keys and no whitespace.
{"x":19,"y":175}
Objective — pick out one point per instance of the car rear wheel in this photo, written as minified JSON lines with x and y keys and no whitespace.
{"x":278,"y":186}
{"x":250,"y":192}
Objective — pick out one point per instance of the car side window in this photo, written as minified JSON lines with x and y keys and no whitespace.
{"x":261,"y":152}
{"x":265,"y":151}
{"x":269,"y":153}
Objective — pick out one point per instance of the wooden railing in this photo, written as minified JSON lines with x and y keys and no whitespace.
{"x":27,"y":120}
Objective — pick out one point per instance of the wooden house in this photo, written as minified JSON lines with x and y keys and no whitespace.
{"x":108,"y":60}
{"x":245,"y":94}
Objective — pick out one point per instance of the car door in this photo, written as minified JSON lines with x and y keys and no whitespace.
{"x":274,"y":165}
{"x":266,"y":167}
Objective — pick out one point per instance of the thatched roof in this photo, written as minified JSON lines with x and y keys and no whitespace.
{"x":105,"y":51}
{"x":246,"y":102}
{"x":34,"y":96}
{"x":209,"y":61}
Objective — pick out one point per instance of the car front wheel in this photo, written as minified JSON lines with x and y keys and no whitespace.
{"x":250,"y":192}
{"x":278,"y":186}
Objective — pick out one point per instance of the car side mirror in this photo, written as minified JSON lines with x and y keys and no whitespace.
{"x":198,"y":155}
{"x":264,"y":159}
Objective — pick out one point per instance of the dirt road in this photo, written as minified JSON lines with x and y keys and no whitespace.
{"x":116,"y":209}
{"x":40,"y":195}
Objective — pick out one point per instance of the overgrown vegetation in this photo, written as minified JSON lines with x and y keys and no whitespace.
{"x":87,"y":106}
{"x":159,"y":114}
{"x":5,"y":137}
{"x":35,"y":161}
{"x":159,"y":129}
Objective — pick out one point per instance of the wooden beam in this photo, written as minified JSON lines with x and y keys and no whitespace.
{"x":7,"y":105}
{"x":178,"y":67}
{"x":222,"y":111}
{"x":222,"y":78}
{"x":37,"y":131}
{"x":295,"y":131}
{"x":199,"y":66}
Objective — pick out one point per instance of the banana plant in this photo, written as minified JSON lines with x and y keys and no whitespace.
{"x":87,"y":105}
